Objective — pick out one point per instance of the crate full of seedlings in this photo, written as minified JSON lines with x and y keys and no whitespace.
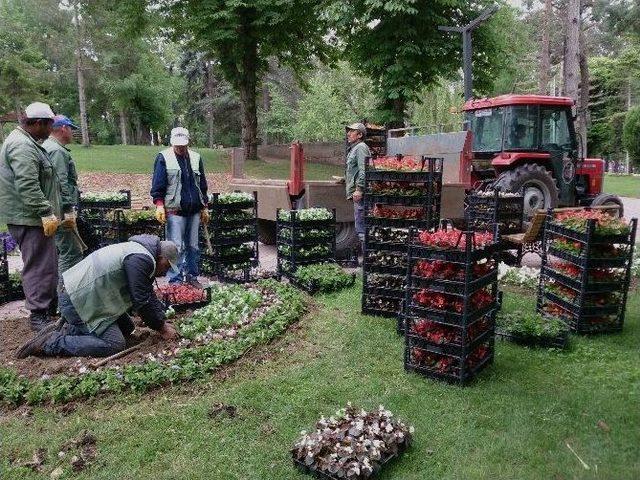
{"x":401,"y":192}
{"x":351,"y":444}
{"x":586,"y":269}
{"x":231,"y":250}
{"x":105,"y":200}
{"x":532,"y":330}
{"x":127,"y":223}
{"x":322,"y":278}
{"x":182,"y":297}
{"x":450,"y":304}
{"x":484,"y":208}
{"x":304,"y":237}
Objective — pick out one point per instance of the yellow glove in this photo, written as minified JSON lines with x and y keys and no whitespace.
{"x":50,"y":225}
{"x":161,"y":214}
{"x":204,"y":216}
{"x":69,"y":221}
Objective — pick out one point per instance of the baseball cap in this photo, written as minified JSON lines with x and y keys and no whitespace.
{"x":38,"y":110}
{"x":61,"y":121}
{"x":358,"y":126}
{"x":179,"y":137}
{"x":169,"y":251}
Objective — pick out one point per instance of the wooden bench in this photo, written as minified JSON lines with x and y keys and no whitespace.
{"x":531,"y":240}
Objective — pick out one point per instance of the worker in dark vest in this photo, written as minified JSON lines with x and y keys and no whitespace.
{"x":31,"y":206}
{"x":357,"y":153}
{"x":179,"y":192}
{"x":98,"y":292}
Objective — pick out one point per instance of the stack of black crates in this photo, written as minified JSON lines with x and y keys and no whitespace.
{"x":386,"y":239}
{"x":303,"y":242}
{"x":585,"y":276}
{"x":450,"y":308}
{"x":127,"y":223}
{"x":233,"y":236}
{"x":94,"y":226}
{"x":485,"y":208}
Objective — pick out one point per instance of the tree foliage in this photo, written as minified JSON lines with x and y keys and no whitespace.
{"x":631,"y":134}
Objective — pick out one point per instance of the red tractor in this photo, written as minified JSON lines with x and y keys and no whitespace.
{"x":529,"y":142}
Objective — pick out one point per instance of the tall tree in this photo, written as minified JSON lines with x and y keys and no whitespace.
{"x":397,"y":44}
{"x":243,"y":35}
{"x":545,"y":60}
{"x":79,"y":55}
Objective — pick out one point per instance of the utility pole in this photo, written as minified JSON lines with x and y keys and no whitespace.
{"x":467,"y":49}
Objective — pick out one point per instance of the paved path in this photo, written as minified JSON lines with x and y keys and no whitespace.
{"x":631,"y":207}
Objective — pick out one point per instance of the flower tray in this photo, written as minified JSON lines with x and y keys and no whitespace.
{"x":560,"y":342}
{"x":306,"y":242}
{"x":400,"y":271}
{"x":325,"y":257}
{"x":231,"y":206}
{"x":183,"y":307}
{"x":308,"y":224}
{"x":448,"y":317}
{"x":582,"y":261}
{"x":576,"y":284}
{"x":418,"y":251}
{"x":385,"y":460}
{"x":462,"y":377}
{"x":106,"y":204}
{"x":452,"y":349}
{"x":217,"y":241}
{"x":580,"y":310}
{"x":386,"y":246}
{"x":402,"y":176}
{"x":313,"y":287}
{"x":217,"y":224}
{"x":398,"y":293}
{"x":398,"y":200}
{"x":378,"y":312}
{"x":399,"y":222}
{"x":584,"y":237}
{"x":453,"y":286}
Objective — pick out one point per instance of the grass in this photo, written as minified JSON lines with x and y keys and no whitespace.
{"x":139,"y":159}
{"x":513,"y":422}
{"x":622,"y":185}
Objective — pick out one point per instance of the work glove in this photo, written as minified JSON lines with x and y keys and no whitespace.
{"x":50,"y":225}
{"x":69,"y":221}
{"x":161,"y":214}
{"x":204,"y":216}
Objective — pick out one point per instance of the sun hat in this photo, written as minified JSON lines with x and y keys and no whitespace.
{"x":179,"y":137}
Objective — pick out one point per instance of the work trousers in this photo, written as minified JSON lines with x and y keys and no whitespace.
{"x":69,"y":251}
{"x":75,"y":339}
{"x":40,"y":266}
{"x":358,"y":215}
{"x":183,"y":231}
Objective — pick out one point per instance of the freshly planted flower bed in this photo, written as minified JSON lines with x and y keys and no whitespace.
{"x":237,"y":319}
{"x":322,"y":278}
{"x":586,"y":270}
{"x":533,"y":330}
{"x":352,"y":444}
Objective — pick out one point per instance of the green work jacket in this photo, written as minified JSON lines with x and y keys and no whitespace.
{"x":29,"y":186}
{"x":98,"y":285}
{"x":60,"y":157}
{"x":354,"y":175}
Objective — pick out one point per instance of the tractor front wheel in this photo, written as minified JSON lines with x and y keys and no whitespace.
{"x":608,"y":200}
{"x":539,"y":187}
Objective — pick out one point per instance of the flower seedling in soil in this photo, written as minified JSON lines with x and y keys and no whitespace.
{"x":384,"y":304}
{"x":439,"y":333}
{"x":326,"y":277}
{"x":389,"y":235}
{"x":103,"y":197}
{"x":178,"y":294}
{"x":403,"y":189}
{"x":453,"y":303}
{"x":387,"y":259}
{"x":353,"y":444}
{"x":306,"y":214}
{"x":304,"y":252}
{"x":394,"y":282}
{"x":314,"y":233}
{"x":234,"y":197}
{"x":445,"y":364}
{"x":454,"y":239}
{"x":605,"y":224}
{"x":442,"y":270}
{"x":236,"y":216}
{"x":531,"y":325}
{"x":398,"y":163}
{"x":380,"y":211}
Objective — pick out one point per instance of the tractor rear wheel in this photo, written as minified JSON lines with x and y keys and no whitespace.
{"x":267,"y":231}
{"x":346,"y":238}
{"x":540,"y":189}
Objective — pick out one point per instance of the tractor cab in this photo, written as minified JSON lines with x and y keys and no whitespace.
{"x":529,"y":143}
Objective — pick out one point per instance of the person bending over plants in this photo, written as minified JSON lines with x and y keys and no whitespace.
{"x":96,"y":295}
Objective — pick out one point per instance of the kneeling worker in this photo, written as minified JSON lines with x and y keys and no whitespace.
{"x":98,"y":292}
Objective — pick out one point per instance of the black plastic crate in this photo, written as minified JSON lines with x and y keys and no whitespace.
{"x":398,"y":293}
{"x":215,"y":206}
{"x":582,"y":261}
{"x":460,"y":348}
{"x":391,"y":307}
{"x":590,"y":235}
{"x":106,"y":204}
{"x":459,"y":287}
{"x":169,"y":300}
{"x":448,"y":317}
{"x":589,"y":287}
{"x":560,"y":342}
{"x":397,"y":200}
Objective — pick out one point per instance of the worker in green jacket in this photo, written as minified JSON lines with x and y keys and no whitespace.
{"x":357,"y":153}
{"x":31,"y":208}
{"x":70,"y":248}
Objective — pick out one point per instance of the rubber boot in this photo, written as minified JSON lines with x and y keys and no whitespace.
{"x":39,"y":319}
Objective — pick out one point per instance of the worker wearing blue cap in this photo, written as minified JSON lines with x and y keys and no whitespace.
{"x":70,"y":247}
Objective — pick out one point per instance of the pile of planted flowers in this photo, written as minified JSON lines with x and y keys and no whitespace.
{"x":354,"y":444}
{"x":238,"y":318}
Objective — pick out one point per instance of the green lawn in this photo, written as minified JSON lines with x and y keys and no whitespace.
{"x":624,"y":186}
{"x":139,"y":159}
{"x":513,"y":423}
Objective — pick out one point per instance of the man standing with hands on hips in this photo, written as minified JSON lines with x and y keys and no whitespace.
{"x":179,"y":192}
{"x":32,"y":208}
{"x":357,"y":153}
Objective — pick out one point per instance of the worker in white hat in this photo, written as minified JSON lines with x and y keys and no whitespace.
{"x":32,"y":208}
{"x":179,"y":192}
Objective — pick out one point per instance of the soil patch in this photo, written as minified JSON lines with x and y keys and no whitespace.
{"x":16,"y":331}
{"x":140,"y":184}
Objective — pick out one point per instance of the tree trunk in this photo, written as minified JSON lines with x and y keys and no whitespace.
{"x":545,"y":63}
{"x":209,"y":104}
{"x":266,"y":106}
{"x":82,"y":98}
{"x":583,"y":99}
{"x":397,"y":107}
{"x":123,"y":128}
{"x":248,"y":113}
{"x":571,"y":50}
